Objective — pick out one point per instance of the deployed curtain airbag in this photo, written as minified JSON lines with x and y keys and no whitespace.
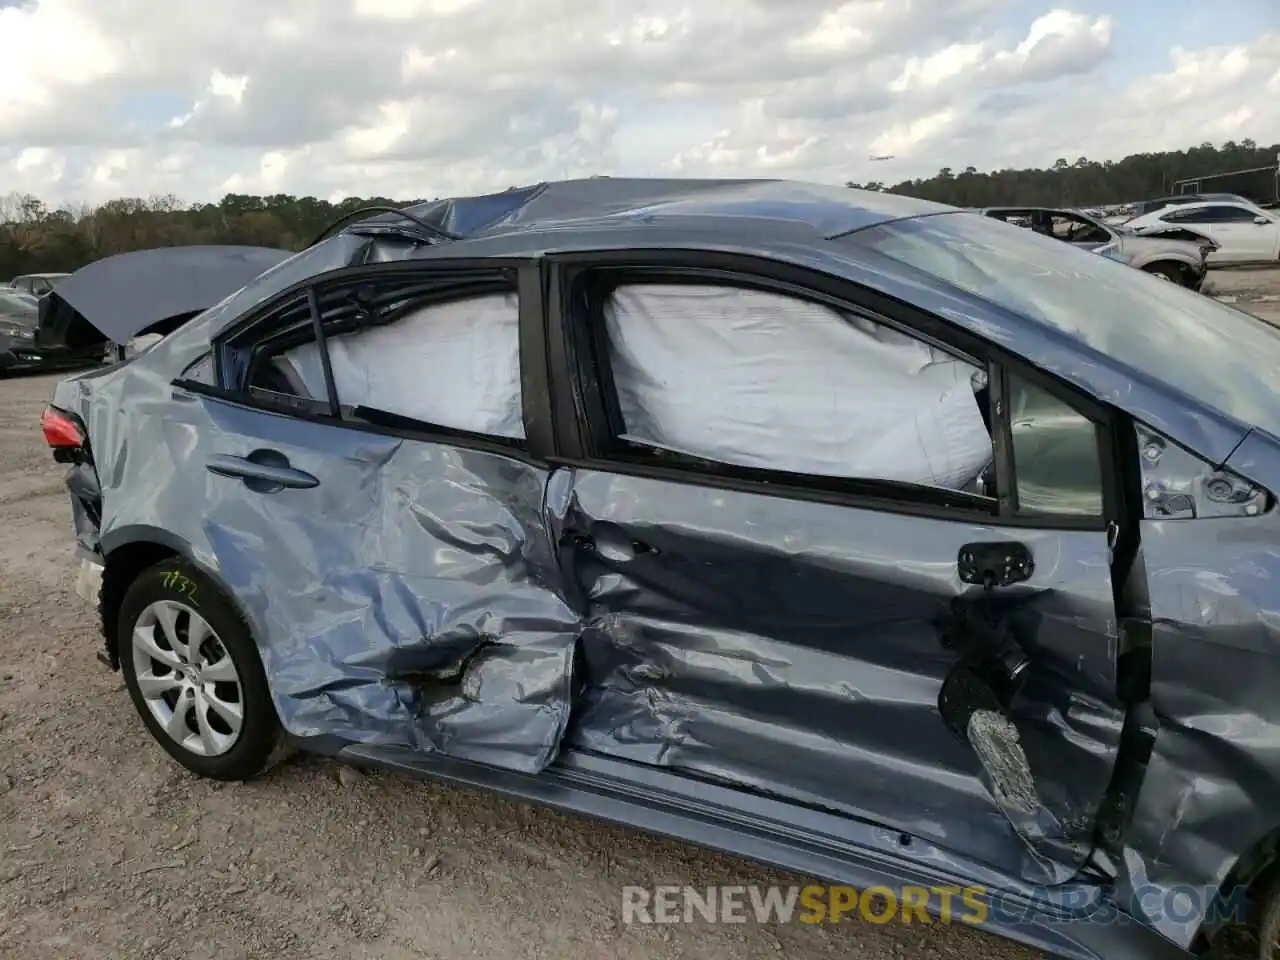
{"x":454,"y":364}
{"x":759,"y":379}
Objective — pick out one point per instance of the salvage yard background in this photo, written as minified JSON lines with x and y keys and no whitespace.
{"x":36,"y":237}
{"x":109,"y":849}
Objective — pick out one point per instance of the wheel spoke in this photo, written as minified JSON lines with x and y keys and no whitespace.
{"x":210,"y":739}
{"x":144,"y":640}
{"x":229,"y":712}
{"x":177,"y":725}
{"x":153,"y":687}
{"x":167,"y":617}
{"x":220,"y":671}
{"x":198,"y":631}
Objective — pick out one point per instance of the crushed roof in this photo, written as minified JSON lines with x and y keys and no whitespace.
{"x":600,"y":201}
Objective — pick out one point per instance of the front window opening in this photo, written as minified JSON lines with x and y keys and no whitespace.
{"x":1210,"y":351}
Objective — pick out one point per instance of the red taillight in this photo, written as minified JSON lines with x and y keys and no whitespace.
{"x":60,"y":431}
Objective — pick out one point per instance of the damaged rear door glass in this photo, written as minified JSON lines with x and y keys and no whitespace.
{"x":404,"y":353}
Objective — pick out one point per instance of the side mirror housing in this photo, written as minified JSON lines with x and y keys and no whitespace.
{"x":1261,"y":221}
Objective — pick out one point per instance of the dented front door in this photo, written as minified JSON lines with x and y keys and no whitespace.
{"x":802,"y":649}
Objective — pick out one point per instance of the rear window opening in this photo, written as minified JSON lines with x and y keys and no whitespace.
{"x":402,"y":353}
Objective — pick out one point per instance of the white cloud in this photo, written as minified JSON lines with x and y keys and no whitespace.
{"x":390,"y":124}
{"x":904,"y":138}
{"x":233,"y":88}
{"x":273,"y":170}
{"x":411,"y":98}
{"x":408,"y":10}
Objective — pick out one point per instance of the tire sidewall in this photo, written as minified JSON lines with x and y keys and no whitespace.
{"x":180,"y":581}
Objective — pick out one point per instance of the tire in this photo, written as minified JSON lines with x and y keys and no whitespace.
{"x":1269,"y":922}
{"x":1165,"y":271}
{"x":226,"y":679}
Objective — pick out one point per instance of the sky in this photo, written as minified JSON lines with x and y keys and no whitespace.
{"x":424,"y":98}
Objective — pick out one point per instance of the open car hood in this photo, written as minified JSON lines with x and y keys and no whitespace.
{"x":146,"y":291}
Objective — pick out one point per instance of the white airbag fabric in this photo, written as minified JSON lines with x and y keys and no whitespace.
{"x":453,"y":364}
{"x":763,"y":380}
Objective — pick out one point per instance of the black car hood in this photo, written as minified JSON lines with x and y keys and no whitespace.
{"x":146,"y":291}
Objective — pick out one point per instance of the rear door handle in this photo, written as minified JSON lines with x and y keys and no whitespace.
{"x":263,"y":471}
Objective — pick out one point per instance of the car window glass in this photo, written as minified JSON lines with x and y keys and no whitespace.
{"x":1215,"y":353}
{"x":1219,"y":213}
{"x":1055,"y":454}
{"x":1078,"y":230}
{"x":18,"y":306}
{"x":758,"y":379}
{"x":453,"y":364}
{"x":1227,"y":214}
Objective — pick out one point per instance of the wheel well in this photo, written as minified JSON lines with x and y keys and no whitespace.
{"x":1256,"y":870}
{"x":1167,"y":266}
{"x":1257,"y":864}
{"x":123,"y":566}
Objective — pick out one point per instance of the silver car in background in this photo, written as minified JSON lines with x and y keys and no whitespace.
{"x":1177,"y":255}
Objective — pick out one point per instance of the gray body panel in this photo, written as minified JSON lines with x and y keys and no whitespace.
{"x":794,"y":647}
{"x":433,"y":605}
{"x":409,"y":594}
{"x":1213,"y":785}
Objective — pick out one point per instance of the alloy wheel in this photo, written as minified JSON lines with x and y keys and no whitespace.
{"x":187,"y":678}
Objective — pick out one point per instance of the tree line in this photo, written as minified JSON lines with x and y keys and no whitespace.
{"x":37,"y":238}
{"x":1093,"y":183}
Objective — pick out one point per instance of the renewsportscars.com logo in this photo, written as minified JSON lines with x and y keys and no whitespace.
{"x":819,"y":903}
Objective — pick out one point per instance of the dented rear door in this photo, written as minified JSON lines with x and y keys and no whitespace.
{"x":398,"y":571}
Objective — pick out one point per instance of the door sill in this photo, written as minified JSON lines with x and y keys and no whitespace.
{"x":1061,"y":920}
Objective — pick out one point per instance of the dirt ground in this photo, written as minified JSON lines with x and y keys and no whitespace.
{"x":1255,"y":290}
{"x":109,"y":849}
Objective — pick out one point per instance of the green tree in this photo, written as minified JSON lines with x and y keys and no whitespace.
{"x":1092,"y":183}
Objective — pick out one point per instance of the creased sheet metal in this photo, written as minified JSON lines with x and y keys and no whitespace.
{"x":407,"y":597}
{"x":794,"y":648}
{"x":789,"y":648}
{"x":1212,"y":788}
{"x":409,"y":600}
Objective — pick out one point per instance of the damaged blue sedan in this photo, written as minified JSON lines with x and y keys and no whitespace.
{"x":848,"y":532}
